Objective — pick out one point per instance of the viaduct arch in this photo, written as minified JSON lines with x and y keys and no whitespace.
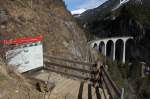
{"x":114,"y":47}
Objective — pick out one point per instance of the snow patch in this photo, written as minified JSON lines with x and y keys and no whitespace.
{"x":77,"y":12}
{"x":122,"y":2}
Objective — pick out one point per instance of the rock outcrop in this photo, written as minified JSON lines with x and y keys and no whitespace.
{"x":49,"y":18}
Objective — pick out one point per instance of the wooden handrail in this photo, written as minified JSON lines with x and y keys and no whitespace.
{"x":67,"y":67}
{"x":116,"y":89}
{"x":108,"y":87}
{"x":68,"y":60}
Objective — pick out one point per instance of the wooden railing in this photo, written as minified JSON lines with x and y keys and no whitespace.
{"x":106,"y":81}
{"x":96,"y":74}
{"x":68,"y":60}
{"x":64,"y":68}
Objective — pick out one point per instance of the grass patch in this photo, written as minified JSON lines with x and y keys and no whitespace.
{"x":3,"y":77}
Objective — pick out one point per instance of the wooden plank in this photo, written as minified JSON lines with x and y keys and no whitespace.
{"x":48,"y":64}
{"x":116,"y":89}
{"x":109,"y":88}
{"x":68,"y":60}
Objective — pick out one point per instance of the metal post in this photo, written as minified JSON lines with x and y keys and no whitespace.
{"x":122,"y":94}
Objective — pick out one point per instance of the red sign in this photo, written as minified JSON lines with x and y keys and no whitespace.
{"x":23,"y":40}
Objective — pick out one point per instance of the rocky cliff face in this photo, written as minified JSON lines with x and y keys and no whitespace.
{"x":30,"y":18}
{"x":130,"y":19}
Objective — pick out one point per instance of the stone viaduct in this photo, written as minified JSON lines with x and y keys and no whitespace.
{"x":114,"y":47}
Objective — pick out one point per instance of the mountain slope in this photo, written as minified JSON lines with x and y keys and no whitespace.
{"x":99,"y":12}
{"x":31,"y":18}
{"x":131,"y":19}
{"x":24,"y":18}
